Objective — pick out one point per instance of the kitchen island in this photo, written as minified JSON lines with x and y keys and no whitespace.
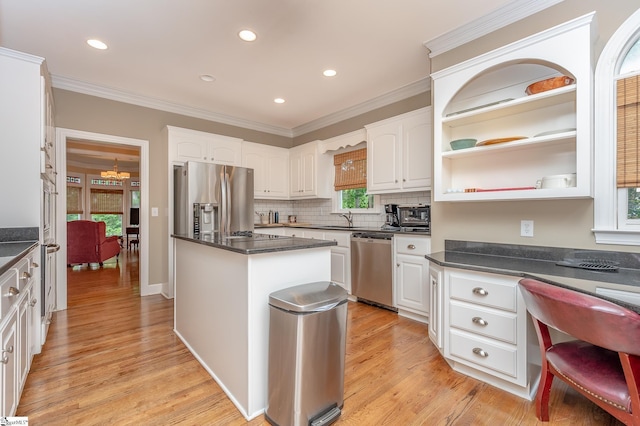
{"x":222,"y":288}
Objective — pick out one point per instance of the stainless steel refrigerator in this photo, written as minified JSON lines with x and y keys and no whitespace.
{"x":212,"y":198}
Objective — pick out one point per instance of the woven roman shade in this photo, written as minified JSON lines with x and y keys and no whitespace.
{"x":105,"y":201}
{"x":74,"y":200}
{"x":351,"y":169}
{"x":628,"y":137}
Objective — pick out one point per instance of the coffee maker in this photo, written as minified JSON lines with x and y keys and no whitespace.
{"x":392,"y":220}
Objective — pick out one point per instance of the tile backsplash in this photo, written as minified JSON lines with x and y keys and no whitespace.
{"x":318,"y":212}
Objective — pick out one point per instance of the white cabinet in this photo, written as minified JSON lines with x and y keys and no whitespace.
{"x":192,"y":145}
{"x":412,"y":276}
{"x":485,"y":329}
{"x":399,"y":153}
{"x":340,"y":258}
{"x":271,"y":169}
{"x":17,"y":303}
{"x":436,"y":277}
{"x":340,"y":254}
{"x":310,"y":172}
{"x":270,"y":230}
{"x":485,"y":98}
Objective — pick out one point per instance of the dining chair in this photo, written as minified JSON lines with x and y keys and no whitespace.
{"x":603,"y":364}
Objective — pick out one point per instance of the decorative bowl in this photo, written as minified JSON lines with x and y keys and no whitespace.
{"x":463,"y":143}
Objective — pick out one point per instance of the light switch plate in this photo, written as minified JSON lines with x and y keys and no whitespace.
{"x":154,"y":211}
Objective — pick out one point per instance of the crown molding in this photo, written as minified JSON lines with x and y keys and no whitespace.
{"x":420,"y":86}
{"x":499,"y":18}
{"x":65,"y":83}
{"x":404,"y":92}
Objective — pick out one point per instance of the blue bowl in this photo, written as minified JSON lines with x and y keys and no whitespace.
{"x":463,"y":143}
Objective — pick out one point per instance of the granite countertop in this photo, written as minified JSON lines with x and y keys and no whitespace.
{"x":11,"y":252}
{"x":256,"y":244}
{"x":539,"y":263}
{"x":340,"y":228}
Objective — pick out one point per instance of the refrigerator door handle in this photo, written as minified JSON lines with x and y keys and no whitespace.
{"x":225,"y":203}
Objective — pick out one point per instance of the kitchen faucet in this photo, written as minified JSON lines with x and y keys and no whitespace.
{"x":349,"y":218}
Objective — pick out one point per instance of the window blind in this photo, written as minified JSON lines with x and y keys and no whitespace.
{"x":106,"y":201}
{"x":351,"y":169}
{"x":628,"y":138}
{"x":74,"y":200}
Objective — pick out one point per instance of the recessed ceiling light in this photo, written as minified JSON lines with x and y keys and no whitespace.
{"x":247,"y":35}
{"x":278,"y":100}
{"x":97,"y":44}
{"x":329,"y":73}
{"x":207,"y":77}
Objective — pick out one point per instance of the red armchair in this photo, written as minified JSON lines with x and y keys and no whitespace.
{"x":87,"y":242}
{"x":603,"y":365}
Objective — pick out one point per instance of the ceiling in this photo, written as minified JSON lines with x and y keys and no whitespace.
{"x":159,"y":48}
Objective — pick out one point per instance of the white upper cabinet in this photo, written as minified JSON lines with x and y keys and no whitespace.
{"x":310,"y":172}
{"x":271,"y":169}
{"x":192,"y":145}
{"x":399,"y":153}
{"x":486,"y":98}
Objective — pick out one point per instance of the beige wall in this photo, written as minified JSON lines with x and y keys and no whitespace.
{"x":558,"y":223}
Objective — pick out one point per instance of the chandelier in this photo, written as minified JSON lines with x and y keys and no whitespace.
{"x":115,"y":174}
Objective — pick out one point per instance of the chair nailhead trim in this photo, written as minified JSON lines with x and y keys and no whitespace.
{"x":618,"y":406}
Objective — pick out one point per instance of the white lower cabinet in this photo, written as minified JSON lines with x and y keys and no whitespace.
{"x":412,"y":276}
{"x":17,"y":287}
{"x":485,"y":325}
{"x":435,"y":304}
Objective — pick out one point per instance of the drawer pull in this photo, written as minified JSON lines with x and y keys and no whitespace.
{"x":33,"y":302}
{"x":411,"y":247}
{"x":25,"y":275}
{"x":13,"y":291}
{"x":52,"y":248}
{"x":5,"y":359}
{"x":34,"y":265}
{"x":479,"y":321}
{"x":480,"y":352}
{"x":8,"y":350}
{"x":480,"y":291}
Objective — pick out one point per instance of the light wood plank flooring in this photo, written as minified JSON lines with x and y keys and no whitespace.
{"x":112,"y":358}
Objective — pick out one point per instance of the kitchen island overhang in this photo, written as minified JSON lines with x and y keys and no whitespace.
{"x":221,"y":310}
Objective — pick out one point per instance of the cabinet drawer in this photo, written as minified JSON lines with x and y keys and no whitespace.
{"x":491,"y":323}
{"x":9,"y":279}
{"x":479,"y":289}
{"x":413,"y":245}
{"x":484,"y":352}
{"x":24,"y":273}
{"x":316,"y":235}
{"x":342,"y":238}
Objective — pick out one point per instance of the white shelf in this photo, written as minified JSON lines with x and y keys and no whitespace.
{"x":518,"y":145}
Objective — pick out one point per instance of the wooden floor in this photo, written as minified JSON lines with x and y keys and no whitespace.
{"x":112,"y":358}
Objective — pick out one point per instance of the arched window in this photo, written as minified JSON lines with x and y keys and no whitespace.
{"x":617,"y":138}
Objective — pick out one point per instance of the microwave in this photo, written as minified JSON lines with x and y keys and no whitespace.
{"x":415,"y":216}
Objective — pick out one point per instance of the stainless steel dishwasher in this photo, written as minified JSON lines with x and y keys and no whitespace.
{"x":372,"y":268}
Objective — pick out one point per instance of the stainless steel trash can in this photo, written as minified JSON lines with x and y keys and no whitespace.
{"x":307,"y":339}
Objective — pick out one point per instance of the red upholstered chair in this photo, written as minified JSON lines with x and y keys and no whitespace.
{"x":87,"y":242}
{"x":603,"y":365}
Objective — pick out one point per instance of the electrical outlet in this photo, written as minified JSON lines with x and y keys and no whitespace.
{"x":526,"y":228}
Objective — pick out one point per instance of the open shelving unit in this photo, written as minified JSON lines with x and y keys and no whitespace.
{"x":485,"y":98}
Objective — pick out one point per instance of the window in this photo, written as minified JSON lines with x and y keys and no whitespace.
{"x":617,"y":200}
{"x":350,"y":182}
{"x":106,"y":206}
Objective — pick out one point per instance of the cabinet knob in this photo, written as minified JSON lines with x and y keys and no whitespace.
{"x":396,"y":181}
{"x":5,"y":359}
{"x":480,"y":291}
{"x":9,"y":350}
{"x":480,"y":352}
{"x":33,"y":302}
{"x":411,"y":247}
{"x":34,"y":265}
{"x":479,"y":321}
{"x":13,"y":291}
{"x":25,"y":275}
{"x":404,"y":180}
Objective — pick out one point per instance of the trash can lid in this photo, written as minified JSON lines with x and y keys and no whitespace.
{"x":312,"y":297}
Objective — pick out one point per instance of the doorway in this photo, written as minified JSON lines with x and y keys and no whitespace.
{"x":63,"y":136}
